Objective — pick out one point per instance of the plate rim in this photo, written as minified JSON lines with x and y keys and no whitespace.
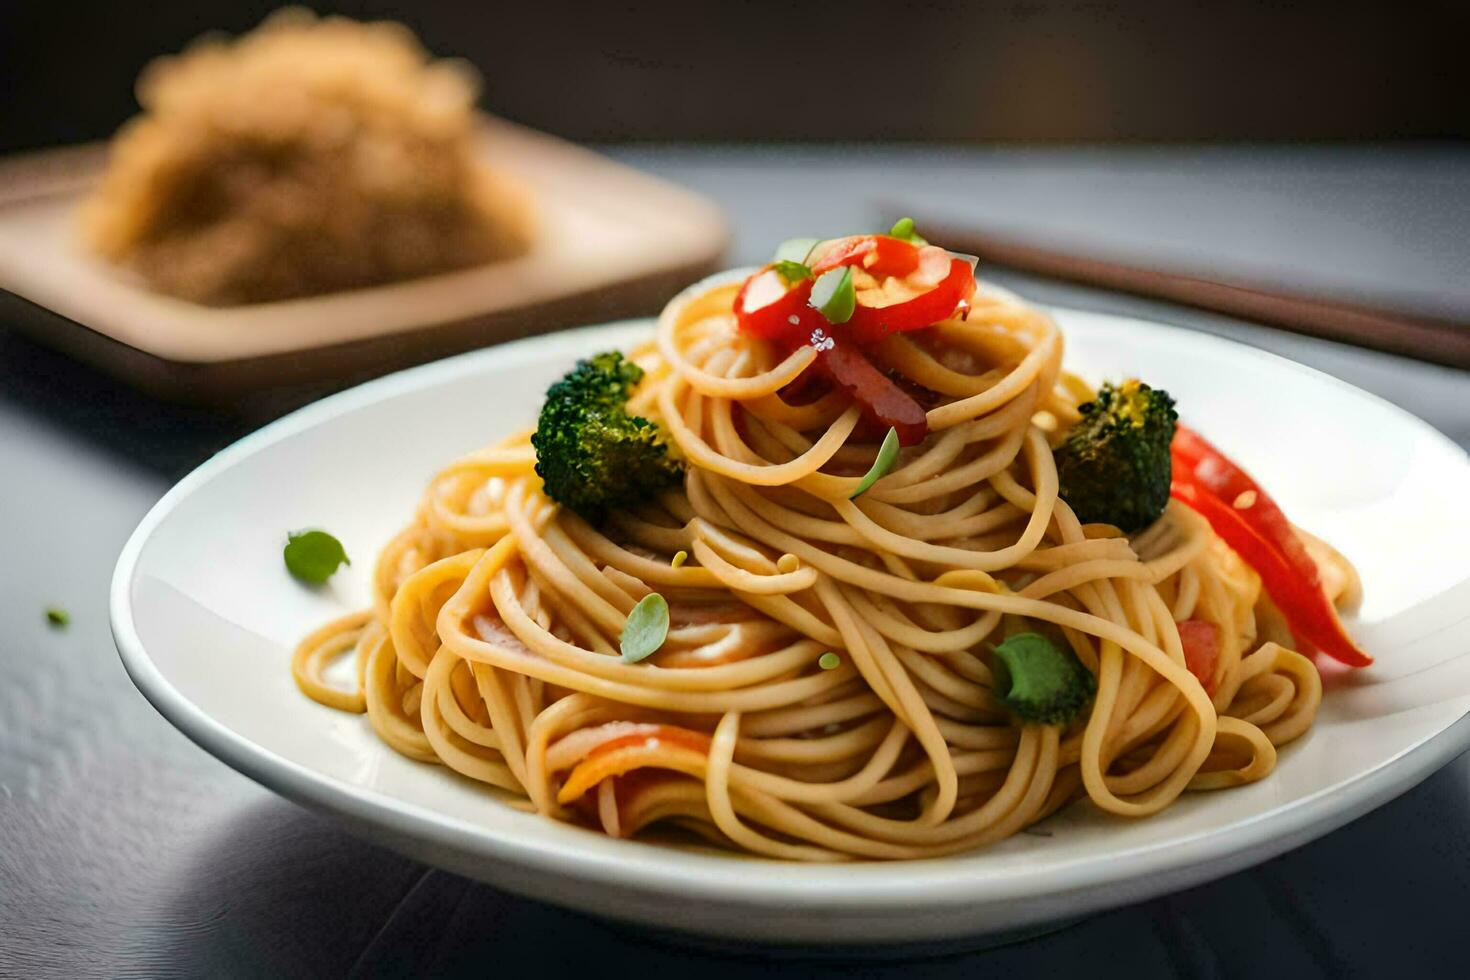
{"x":724,"y":880}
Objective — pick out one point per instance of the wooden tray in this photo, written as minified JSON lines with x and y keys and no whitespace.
{"x":612,"y":243}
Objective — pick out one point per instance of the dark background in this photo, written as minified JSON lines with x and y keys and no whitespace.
{"x":1015,"y":70}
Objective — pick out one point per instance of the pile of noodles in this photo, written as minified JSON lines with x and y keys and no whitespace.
{"x":492,"y":644}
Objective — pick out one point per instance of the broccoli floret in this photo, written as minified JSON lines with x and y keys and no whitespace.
{"x":1114,"y":463}
{"x":1042,"y":683}
{"x":591,"y":454}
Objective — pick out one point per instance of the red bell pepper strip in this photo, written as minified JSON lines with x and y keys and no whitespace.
{"x":1201,"y":641}
{"x":882,"y":401}
{"x":1300,"y":599}
{"x":1195,"y":459}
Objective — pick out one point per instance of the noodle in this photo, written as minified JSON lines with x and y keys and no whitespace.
{"x":492,"y":642}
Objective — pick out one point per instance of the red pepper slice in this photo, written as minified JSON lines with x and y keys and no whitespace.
{"x":881,"y":255}
{"x":1196,"y":459}
{"x":1201,"y":641}
{"x":603,"y":761}
{"x":1301,"y":600}
{"x":899,"y":286}
{"x":769,"y":307}
{"x":698,"y":741}
{"x":883,"y":402}
{"x":870,"y":323}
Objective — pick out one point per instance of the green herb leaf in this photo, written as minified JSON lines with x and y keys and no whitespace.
{"x":796,"y":249}
{"x":57,"y":616}
{"x":829,"y":661}
{"x":834,"y":296}
{"x":313,"y":556}
{"x":792,"y":272}
{"x":646,"y":629}
{"x":904,"y":228}
{"x":887,"y":453}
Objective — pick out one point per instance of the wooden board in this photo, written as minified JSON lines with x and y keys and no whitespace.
{"x":611,"y":243}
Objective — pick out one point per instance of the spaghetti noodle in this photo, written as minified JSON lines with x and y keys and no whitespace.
{"x":492,"y":643}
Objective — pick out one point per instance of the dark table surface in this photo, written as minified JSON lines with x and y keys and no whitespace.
{"x":125,"y":850}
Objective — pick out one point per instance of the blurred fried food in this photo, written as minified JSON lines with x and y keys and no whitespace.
{"x":308,"y":156}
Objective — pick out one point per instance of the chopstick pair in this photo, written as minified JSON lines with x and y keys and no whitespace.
{"x":1439,"y":341}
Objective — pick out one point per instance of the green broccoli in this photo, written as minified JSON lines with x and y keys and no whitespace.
{"x":590,"y":453}
{"x":1114,"y":463}
{"x":1041,"y":682}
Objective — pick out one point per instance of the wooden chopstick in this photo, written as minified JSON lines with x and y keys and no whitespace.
{"x":1440,"y":341}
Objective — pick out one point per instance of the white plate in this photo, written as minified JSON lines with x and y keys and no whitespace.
{"x":205,"y":618}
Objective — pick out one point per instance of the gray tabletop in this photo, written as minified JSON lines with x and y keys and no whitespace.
{"x":125,"y":850}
